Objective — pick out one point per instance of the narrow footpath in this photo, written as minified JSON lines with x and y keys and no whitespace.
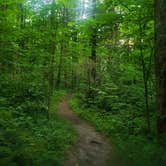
{"x":91,"y":148}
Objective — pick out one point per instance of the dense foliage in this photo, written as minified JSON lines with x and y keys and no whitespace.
{"x":102,"y":50}
{"x":28,"y":138}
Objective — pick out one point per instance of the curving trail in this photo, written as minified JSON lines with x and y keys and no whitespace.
{"x":91,"y":148}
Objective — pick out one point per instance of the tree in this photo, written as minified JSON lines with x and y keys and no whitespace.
{"x":160,"y":42}
{"x":93,"y":44}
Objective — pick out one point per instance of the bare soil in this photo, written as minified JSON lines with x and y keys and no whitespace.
{"x":91,"y":148}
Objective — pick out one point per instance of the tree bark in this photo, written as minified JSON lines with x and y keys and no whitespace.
{"x":52,"y":49}
{"x":160,"y":60}
{"x":60,"y":66}
{"x":93,"y":46}
{"x":145,"y":79}
{"x":63,"y":46}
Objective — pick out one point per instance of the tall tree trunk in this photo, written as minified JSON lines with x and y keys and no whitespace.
{"x":93,"y":46}
{"x":145,"y":78}
{"x":63,"y":46}
{"x":60,"y":67}
{"x":93,"y":56}
{"x":51,"y":81}
{"x":52,"y":48}
{"x":160,"y":59}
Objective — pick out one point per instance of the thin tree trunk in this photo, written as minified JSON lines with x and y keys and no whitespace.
{"x":52,"y":49}
{"x":93,"y":46}
{"x":145,"y":79}
{"x":63,"y":47}
{"x":60,"y":67}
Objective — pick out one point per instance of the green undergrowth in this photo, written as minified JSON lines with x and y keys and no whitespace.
{"x":56,"y":98}
{"x":137,"y":147}
{"x":39,"y":142}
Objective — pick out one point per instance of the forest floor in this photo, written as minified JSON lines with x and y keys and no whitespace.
{"x":91,"y":147}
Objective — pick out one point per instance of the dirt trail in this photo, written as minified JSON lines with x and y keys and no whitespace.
{"x":91,"y":148}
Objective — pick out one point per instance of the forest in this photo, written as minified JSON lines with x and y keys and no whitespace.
{"x":83,"y":82}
